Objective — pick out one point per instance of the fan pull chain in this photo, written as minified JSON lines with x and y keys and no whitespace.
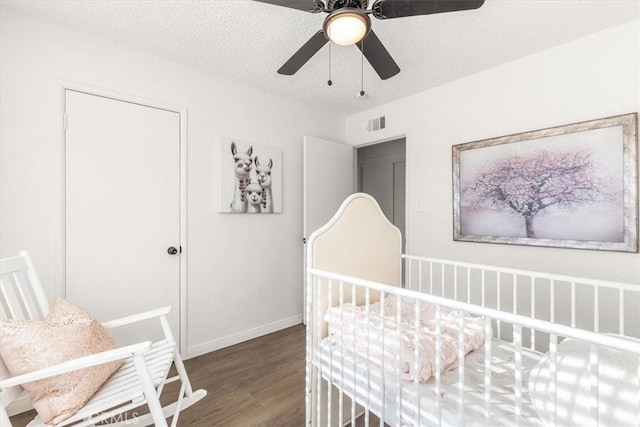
{"x":329,"y":82}
{"x":362,"y":68}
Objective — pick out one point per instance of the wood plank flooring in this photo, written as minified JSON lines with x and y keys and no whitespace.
{"x":256,"y":383}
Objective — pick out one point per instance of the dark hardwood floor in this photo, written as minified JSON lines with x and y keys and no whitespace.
{"x":256,"y":383}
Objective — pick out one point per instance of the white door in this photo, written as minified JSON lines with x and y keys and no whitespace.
{"x":328,"y":180}
{"x":122,"y":210}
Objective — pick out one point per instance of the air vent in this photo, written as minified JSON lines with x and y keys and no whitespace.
{"x":376,"y":124}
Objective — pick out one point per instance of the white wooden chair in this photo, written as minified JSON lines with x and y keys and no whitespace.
{"x":138,"y":382}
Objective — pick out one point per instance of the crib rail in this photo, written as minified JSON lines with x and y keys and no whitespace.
{"x":372,"y":372}
{"x":595,"y":305}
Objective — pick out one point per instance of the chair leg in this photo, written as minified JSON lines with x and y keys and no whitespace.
{"x":4,"y":418}
{"x":149,"y":392}
{"x":176,"y":414}
{"x":182,"y":373}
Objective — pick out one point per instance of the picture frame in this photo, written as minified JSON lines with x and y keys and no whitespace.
{"x":572,"y":186}
{"x":250,"y":177}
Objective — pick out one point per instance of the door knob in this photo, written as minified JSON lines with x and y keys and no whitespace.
{"x":172,"y":250}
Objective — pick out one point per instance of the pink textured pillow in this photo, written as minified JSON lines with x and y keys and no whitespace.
{"x":68,"y":332}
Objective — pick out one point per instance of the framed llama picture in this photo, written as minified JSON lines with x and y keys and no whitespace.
{"x":573,"y":186}
{"x":250,"y":177}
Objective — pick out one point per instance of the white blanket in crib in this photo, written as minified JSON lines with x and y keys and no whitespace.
{"x":365,"y":332}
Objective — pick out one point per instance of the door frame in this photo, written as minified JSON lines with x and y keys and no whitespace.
{"x":59,"y":191}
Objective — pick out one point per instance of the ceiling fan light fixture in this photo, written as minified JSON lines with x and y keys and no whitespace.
{"x":347,"y":26}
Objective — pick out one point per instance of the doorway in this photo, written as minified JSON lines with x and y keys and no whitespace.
{"x":381,"y":171}
{"x":123,"y":210}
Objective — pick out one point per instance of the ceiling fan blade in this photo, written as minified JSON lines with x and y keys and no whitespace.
{"x":310,"y":48}
{"x":386,"y":9}
{"x":312,"y":6}
{"x":378,"y":56}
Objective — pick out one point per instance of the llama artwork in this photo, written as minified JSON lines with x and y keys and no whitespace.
{"x":254,"y":193}
{"x":256,"y":182}
{"x":263,"y":172}
{"x":242,"y":162}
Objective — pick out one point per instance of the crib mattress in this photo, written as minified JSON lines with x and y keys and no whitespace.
{"x":404,"y":403}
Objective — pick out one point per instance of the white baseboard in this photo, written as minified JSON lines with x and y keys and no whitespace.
{"x":239,"y":337}
{"x":20,"y":405}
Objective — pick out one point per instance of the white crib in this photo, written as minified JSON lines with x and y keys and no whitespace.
{"x":460,"y":344}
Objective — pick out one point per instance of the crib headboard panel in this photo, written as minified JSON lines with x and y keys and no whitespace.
{"x":358,"y":241}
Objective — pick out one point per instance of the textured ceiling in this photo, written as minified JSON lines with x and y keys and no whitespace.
{"x":248,"y":41}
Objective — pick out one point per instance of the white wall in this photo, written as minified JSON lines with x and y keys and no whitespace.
{"x":236,"y":290}
{"x":592,"y":77}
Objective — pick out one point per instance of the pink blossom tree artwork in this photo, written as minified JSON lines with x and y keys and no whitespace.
{"x":570,"y":186}
{"x":530,"y":183}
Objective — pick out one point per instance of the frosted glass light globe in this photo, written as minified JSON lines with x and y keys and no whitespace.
{"x":347,"y":28}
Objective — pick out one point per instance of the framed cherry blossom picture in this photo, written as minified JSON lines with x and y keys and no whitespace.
{"x":572,"y":186}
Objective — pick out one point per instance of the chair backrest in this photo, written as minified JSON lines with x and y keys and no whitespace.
{"x":21,"y":297}
{"x":21,"y":294}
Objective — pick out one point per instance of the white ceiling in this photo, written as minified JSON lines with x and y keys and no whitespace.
{"x":248,"y":41}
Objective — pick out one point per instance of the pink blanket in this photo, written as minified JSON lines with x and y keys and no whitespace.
{"x":350,"y":325}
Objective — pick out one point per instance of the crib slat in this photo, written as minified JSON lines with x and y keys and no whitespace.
{"x":573,"y":304}
{"x":438,"y":362}
{"x":594,"y":379}
{"x":309,"y":350}
{"x":483,"y":301}
{"x":367,"y":303}
{"x":514,"y":303}
{"x":596,"y":309}
{"x":431,"y":278}
{"x":552,"y":302}
{"x":330,"y":386}
{"x":383,"y":390}
{"x":319,"y":374}
{"x":416,"y":362}
{"x":398,"y":358}
{"x":468,"y":285}
{"x":621,"y":315}
{"x":461,"y":354}
{"x":342,"y":357}
{"x":487,"y":371}
{"x":498,"y":294}
{"x":533,"y":312}
{"x":517,"y":332}
{"x":455,"y":283}
{"x":355,"y":373}
{"x":553,"y":372}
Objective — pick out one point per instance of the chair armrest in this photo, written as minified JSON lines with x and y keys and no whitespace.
{"x":137,"y":317}
{"x":75,"y":364}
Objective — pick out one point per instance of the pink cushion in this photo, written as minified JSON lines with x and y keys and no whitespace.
{"x":67,"y":333}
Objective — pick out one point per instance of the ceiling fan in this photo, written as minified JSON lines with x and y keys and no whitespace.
{"x":348,"y":23}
